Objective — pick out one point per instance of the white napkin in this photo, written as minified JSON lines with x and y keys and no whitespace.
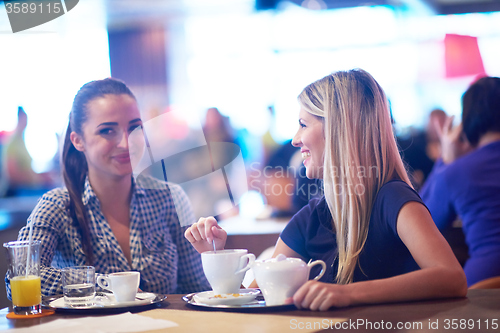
{"x":121,"y":323}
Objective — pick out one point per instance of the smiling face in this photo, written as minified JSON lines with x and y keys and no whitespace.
{"x":311,"y":140}
{"x":110,"y":120}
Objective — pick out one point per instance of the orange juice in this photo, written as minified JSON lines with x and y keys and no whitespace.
{"x":26,"y":290}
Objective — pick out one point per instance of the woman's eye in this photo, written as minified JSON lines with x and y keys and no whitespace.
{"x":302,"y":125}
{"x":133,"y":128}
{"x":106,"y":131}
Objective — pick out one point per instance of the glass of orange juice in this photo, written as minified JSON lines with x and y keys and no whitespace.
{"x":24,"y":275}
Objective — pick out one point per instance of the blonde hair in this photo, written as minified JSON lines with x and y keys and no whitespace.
{"x":360,"y":156}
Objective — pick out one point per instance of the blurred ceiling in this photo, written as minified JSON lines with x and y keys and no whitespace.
{"x":437,"y":7}
{"x":463,"y":6}
{"x":127,"y":12}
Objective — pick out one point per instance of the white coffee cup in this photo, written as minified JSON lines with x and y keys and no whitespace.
{"x":124,"y":285}
{"x":279,"y":278}
{"x":225,"y":269}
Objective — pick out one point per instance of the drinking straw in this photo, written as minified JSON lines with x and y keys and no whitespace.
{"x":30,"y":240}
{"x":29,"y":247}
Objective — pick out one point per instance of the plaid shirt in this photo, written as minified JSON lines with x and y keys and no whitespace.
{"x":166,"y":260}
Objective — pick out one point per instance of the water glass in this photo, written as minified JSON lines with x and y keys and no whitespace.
{"x":78,"y":286}
{"x":24,"y":274}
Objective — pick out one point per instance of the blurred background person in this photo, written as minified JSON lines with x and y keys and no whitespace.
{"x":436,"y":121}
{"x":465,"y":182}
{"x":269,"y":145}
{"x":18,"y":176}
{"x":455,"y":235}
{"x":284,"y":184}
{"x":3,"y":183}
{"x":420,"y":148}
{"x":217,"y":128}
{"x":412,"y":143}
{"x":282,"y":180}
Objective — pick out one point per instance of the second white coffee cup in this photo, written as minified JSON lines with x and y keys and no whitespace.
{"x":124,"y":285}
{"x":225,"y":269}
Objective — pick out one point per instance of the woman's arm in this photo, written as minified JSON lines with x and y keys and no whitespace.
{"x":282,"y":248}
{"x":440,"y":275}
{"x":190,"y":270}
{"x":190,"y":276}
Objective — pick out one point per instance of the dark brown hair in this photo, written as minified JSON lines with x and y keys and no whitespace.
{"x":481,"y":109}
{"x":74,"y":165}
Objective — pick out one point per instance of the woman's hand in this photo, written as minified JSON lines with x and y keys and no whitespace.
{"x":201,"y":234}
{"x":453,"y":141}
{"x":321,"y":296}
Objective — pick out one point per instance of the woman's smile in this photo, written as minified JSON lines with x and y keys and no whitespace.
{"x":306,"y":156}
{"x":123,"y":158}
{"x":311,"y":140}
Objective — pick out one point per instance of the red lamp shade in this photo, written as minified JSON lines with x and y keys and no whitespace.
{"x":462,"y":56}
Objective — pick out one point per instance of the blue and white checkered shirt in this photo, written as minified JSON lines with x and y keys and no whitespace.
{"x":168,"y":263}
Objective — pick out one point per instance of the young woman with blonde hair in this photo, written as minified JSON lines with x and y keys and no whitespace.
{"x":371,"y":228}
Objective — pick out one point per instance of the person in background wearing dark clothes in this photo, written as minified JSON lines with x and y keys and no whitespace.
{"x":465,"y":182}
{"x":421,"y":148}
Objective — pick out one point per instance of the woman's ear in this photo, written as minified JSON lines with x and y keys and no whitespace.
{"x":77,"y":141}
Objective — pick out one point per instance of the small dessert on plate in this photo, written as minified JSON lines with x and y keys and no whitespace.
{"x":245,"y":296}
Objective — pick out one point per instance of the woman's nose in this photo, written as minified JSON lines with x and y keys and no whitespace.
{"x":123,"y":140}
{"x":296,"y":142}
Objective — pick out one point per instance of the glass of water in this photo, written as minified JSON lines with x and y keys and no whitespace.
{"x":78,"y":286}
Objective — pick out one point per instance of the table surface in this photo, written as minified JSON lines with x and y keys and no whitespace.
{"x":478,"y":312}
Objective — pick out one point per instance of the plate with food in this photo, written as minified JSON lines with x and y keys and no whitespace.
{"x":245,"y":296}
{"x":246,"y":299}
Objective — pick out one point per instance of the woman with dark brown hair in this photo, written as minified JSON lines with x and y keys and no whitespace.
{"x":104,"y":216}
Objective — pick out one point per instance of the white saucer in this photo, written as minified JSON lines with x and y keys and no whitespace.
{"x":245,"y":296}
{"x":107,"y":300}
